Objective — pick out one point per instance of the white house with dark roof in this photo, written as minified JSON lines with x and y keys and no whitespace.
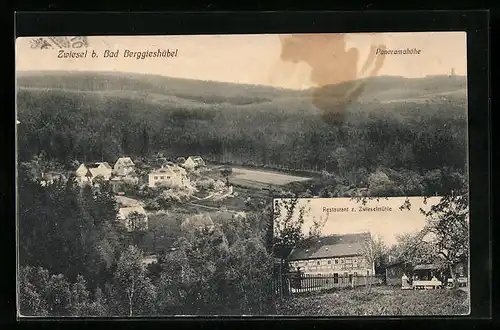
{"x":125,"y":216}
{"x":193,"y":162}
{"x":88,"y":172}
{"x":48,"y":178}
{"x":168,"y":176}
{"x":337,"y":255}
{"x":124,"y":166}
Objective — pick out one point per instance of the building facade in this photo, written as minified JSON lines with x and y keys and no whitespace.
{"x":193,"y":162}
{"x":124,"y":166}
{"x":168,"y":176}
{"x":336,"y":255}
{"x":395,"y":270}
{"x":126,"y":216}
{"x":88,"y":172}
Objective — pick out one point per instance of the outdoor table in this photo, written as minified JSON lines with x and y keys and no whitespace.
{"x":419,"y":284}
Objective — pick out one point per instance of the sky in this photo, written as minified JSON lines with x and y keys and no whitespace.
{"x":384,"y":224}
{"x":285,"y":61}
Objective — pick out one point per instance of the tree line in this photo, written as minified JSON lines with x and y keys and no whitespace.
{"x":83,"y":126}
{"x":75,"y":258}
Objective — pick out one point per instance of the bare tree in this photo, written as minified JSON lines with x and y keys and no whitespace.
{"x":373,"y":250}
{"x":137,"y":224}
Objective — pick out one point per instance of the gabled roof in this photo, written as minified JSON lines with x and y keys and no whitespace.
{"x":94,"y":171}
{"x":127,"y":202}
{"x":332,"y":246}
{"x":163,"y":170}
{"x":127,"y":161}
{"x":124,"y":212}
{"x":105,"y":165}
{"x":426,"y":267}
{"x":197,"y":159}
{"x":97,"y":164}
{"x":177,"y":169}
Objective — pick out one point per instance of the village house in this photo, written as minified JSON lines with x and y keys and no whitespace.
{"x":168,"y":176}
{"x":335,"y":255}
{"x":197,"y":221}
{"x":125,"y":215}
{"x":127,"y":201}
{"x":86,"y":173}
{"x":123,"y":166}
{"x":49,"y":177}
{"x":193,"y":162}
{"x":396,"y":269}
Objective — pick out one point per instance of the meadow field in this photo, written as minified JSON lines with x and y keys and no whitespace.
{"x":379,"y":301}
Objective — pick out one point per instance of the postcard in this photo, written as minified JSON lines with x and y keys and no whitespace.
{"x":229,"y":175}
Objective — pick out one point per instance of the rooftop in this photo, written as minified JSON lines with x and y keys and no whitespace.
{"x":125,"y":161}
{"x":426,"y":267}
{"x":97,"y":164}
{"x":331,"y":246}
{"x":126,"y":211}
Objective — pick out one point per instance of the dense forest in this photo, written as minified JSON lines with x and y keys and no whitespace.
{"x":415,"y":124}
{"x":403,"y":137}
{"x":75,"y":259}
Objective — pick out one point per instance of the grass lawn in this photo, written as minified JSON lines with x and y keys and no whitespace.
{"x":383,"y":300}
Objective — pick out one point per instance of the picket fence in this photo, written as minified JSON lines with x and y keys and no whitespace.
{"x":292,"y":283}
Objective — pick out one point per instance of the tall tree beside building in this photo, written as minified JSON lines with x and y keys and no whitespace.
{"x":449,"y":222}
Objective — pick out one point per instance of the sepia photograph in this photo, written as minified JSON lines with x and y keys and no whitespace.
{"x":373,"y":256}
{"x":242,"y":175}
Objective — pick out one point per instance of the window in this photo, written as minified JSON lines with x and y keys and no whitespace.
{"x":348,"y":261}
{"x":335,"y":278}
{"x":355,"y":273}
{"x":336,"y":261}
{"x":162,"y":177}
{"x":318,"y":263}
{"x":156,"y":178}
{"x":329,"y":262}
{"x":367,"y":272}
{"x":168,"y":177}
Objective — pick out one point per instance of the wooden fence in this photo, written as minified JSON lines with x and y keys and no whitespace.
{"x":292,"y":283}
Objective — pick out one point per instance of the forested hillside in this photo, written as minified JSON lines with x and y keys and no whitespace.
{"x":416,"y":124}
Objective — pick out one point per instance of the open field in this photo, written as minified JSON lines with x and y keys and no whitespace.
{"x":242,"y":175}
{"x":380,"y":301}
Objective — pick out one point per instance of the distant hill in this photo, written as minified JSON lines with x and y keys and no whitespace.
{"x":198,"y":93}
{"x":397,"y":122}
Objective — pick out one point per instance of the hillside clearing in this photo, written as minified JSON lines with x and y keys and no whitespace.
{"x":273,"y":178}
